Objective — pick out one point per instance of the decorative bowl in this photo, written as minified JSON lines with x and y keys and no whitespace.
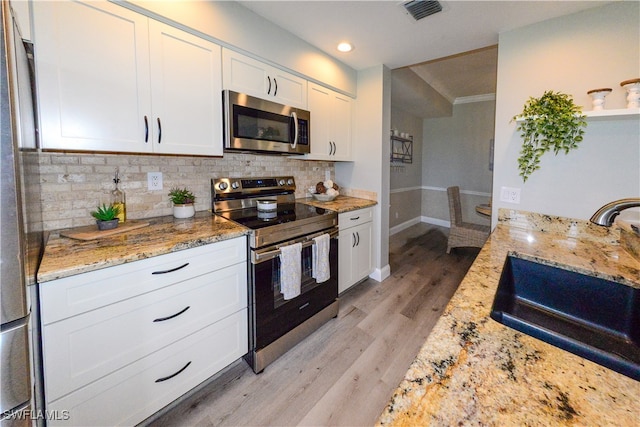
{"x":323,"y":197}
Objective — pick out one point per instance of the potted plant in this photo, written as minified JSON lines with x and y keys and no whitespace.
{"x":106,"y":216}
{"x":182,"y":199}
{"x":551,"y":122}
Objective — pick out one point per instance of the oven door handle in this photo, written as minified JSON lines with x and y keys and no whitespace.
{"x":271,"y":252}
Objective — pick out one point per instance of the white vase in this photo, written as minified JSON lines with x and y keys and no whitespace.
{"x":597,"y":97}
{"x":184,"y":211}
{"x":633,"y":92}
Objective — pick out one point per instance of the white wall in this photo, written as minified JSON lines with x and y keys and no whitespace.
{"x":230,"y":24}
{"x":596,"y":48}
{"x":370,"y":149}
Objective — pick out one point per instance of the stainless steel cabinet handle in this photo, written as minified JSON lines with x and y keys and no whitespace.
{"x":353,"y":240}
{"x":171,"y":270}
{"x":294,"y":116}
{"x":146,"y":129}
{"x":358,"y":235}
{"x":159,"y":380}
{"x":162,"y":319}
{"x":269,"y":90}
{"x":159,"y":131}
{"x":275,"y":92}
{"x":355,"y":218}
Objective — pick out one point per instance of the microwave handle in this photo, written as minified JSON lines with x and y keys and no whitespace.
{"x":295,"y":129}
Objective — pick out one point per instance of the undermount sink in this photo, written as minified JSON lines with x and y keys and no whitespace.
{"x":595,"y":318}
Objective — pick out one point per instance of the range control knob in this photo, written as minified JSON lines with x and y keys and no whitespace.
{"x":235,"y":185}
{"x":223,"y":186}
{"x":281,"y":182}
{"x":290,"y":181}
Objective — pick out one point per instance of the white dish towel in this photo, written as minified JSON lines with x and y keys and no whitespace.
{"x":320,"y":258}
{"x":290,"y":270}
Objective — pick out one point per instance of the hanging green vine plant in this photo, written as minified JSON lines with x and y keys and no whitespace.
{"x":551,"y":122}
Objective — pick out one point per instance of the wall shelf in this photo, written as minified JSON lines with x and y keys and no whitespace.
{"x":618,"y":114}
{"x":401,"y":149}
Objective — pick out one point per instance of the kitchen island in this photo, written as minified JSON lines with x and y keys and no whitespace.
{"x":473,"y":370}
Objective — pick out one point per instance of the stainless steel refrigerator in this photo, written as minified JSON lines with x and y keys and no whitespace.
{"x":22,"y":237}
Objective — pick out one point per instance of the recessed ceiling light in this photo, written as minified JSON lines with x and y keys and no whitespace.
{"x":345,"y":47}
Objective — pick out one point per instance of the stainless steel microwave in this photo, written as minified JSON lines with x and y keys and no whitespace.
{"x":257,"y":125}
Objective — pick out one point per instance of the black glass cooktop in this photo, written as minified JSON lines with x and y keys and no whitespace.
{"x":287,"y":212}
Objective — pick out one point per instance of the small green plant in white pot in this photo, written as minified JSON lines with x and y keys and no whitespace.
{"x":183,"y":202}
{"x":106,"y":216}
{"x":551,"y":122}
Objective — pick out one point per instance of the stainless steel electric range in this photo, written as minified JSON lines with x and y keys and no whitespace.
{"x":267,"y":206}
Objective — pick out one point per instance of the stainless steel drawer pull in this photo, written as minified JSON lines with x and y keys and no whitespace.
{"x":305,"y":305}
{"x":159,"y":380}
{"x":162,"y":319}
{"x":354,"y":218}
{"x":172,"y":270}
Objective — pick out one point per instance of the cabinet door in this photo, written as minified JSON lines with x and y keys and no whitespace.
{"x":243,"y":74}
{"x":186,"y":87}
{"x":346,"y":243}
{"x":92,"y":68}
{"x":319,"y":106}
{"x":362,"y":251}
{"x":341,"y":109}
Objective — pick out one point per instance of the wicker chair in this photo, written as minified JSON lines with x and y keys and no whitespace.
{"x":463,"y":234}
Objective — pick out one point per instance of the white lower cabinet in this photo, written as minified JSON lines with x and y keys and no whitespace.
{"x":355,"y":252}
{"x":119,"y":362}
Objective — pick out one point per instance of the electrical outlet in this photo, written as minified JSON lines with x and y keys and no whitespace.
{"x":510,"y":195}
{"x":154,"y":181}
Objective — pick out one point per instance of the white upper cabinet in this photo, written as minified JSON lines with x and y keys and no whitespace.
{"x":331,"y":115}
{"x":243,"y":74}
{"x":186,"y":92}
{"x":110,"y":79}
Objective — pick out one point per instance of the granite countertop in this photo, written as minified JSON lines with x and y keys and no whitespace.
{"x":65,"y":257}
{"x":473,"y":370}
{"x":340,"y":204}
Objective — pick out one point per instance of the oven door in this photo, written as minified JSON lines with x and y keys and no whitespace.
{"x":272,"y":315}
{"x":254,"y":124}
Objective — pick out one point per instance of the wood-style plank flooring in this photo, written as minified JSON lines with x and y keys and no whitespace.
{"x":345,"y":372}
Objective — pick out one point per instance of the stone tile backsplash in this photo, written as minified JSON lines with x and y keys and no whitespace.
{"x":73,"y":184}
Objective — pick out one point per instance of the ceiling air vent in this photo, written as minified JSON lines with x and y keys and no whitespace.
{"x":421,"y":9}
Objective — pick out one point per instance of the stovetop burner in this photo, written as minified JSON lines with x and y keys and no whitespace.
{"x":236,"y":199}
{"x":289,"y":212}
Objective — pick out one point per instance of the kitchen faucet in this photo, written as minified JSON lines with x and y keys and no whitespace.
{"x":606,"y":214}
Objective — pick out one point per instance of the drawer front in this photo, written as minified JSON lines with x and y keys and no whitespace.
{"x":89,"y":346}
{"x":353,"y":218}
{"x":63,"y":298}
{"x":133,"y":393}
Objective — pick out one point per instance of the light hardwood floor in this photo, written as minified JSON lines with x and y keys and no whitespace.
{"x":346,"y":371}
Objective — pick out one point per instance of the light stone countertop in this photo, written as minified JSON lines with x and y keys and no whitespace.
{"x":473,"y":370}
{"x":340,"y":204}
{"x":65,"y":257}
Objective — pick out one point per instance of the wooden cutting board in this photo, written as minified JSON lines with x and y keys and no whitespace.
{"x":91,"y":232}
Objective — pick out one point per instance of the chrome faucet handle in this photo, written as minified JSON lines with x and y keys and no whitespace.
{"x":607,"y":213}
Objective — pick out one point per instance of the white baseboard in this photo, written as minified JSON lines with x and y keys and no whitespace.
{"x":379,"y":274}
{"x":435,"y":221}
{"x":403,"y":226}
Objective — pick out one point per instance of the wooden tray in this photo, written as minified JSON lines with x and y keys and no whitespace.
{"x":91,"y":232}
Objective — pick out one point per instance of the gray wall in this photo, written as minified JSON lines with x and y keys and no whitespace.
{"x":406,"y":178}
{"x":457,"y":152}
